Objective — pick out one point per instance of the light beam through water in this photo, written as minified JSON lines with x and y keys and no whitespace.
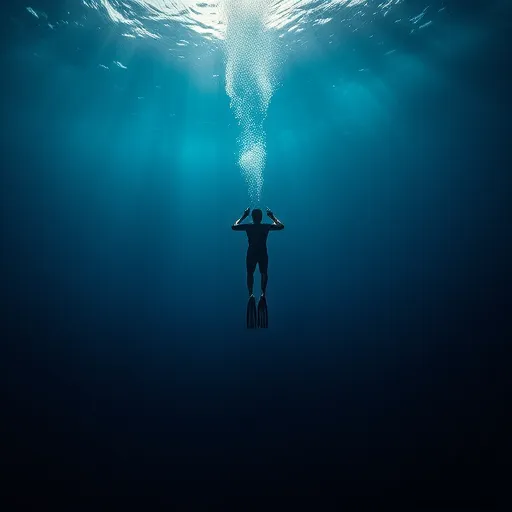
{"x":249,"y":31}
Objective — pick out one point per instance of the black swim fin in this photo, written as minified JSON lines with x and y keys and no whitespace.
{"x":262,"y":313}
{"x":251,"y":313}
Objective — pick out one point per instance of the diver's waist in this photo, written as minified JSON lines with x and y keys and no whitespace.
{"x":257,"y":249}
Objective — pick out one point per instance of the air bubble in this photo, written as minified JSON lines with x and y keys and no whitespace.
{"x":251,"y":64}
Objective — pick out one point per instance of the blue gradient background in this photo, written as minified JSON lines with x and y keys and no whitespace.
{"x":128,"y":367}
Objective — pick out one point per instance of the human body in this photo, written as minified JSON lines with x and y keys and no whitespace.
{"x":257,"y":233}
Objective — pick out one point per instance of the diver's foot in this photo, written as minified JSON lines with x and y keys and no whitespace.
{"x":262,"y":312}
{"x":251,"y":317}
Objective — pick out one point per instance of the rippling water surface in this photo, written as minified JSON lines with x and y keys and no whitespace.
{"x":151,"y":18}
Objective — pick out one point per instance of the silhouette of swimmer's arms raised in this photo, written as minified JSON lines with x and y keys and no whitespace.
{"x":257,"y":233}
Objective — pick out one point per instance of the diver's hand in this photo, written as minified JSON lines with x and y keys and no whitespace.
{"x":246,"y":212}
{"x":269,"y":213}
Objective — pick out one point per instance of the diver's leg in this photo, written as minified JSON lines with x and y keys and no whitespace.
{"x":250,"y":281}
{"x":264,"y":280}
{"x":251,"y":267}
{"x":262,"y":303}
{"x":263,"y":265}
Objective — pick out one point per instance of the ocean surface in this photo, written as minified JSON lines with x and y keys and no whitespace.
{"x":134,"y":133}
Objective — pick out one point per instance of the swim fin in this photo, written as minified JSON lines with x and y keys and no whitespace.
{"x":262,"y":313}
{"x":251,"y":313}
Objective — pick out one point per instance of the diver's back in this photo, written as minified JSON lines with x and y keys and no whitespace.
{"x":257,"y":235}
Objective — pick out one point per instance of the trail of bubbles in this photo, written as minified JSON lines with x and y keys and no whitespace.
{"x":251,"y":62}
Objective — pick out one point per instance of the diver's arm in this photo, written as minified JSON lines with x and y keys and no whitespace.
{"x":236,"y":226}
{"x":277,"y":223}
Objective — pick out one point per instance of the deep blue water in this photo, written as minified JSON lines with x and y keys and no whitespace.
{"x":129,"y":370}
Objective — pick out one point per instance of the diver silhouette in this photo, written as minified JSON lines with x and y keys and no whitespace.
{"x":257,"y":233}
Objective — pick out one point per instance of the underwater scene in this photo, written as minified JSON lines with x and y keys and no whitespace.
{"x":349,"y":343}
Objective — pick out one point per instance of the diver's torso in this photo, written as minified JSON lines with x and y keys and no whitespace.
{"x":257,"y":235}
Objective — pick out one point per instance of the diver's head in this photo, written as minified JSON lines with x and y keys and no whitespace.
{"x":257,"y":216}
